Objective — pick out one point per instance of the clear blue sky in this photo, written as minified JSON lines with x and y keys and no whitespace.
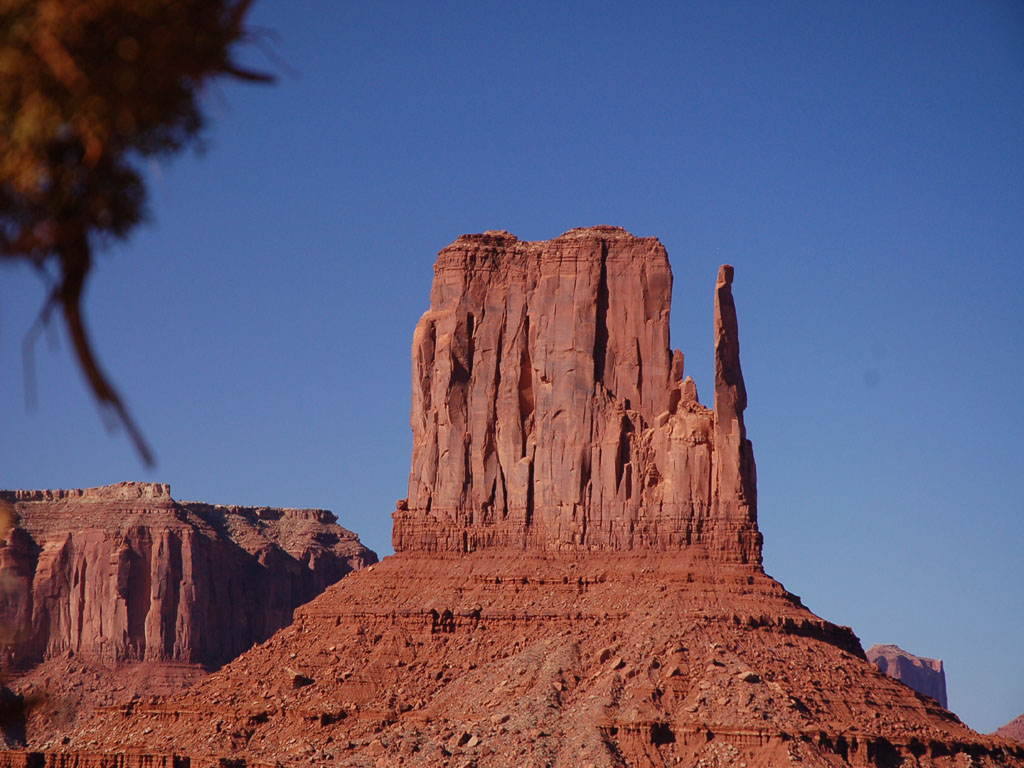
{"x":861,"y":164}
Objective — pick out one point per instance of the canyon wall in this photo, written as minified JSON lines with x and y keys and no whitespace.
{"x":125,"y":573}
{"x":550,"y":412}
{"x":922,"y":674}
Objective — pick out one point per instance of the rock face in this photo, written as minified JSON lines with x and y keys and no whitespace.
{"x":498,"y":657}
{"x":923,"y":675}
{"x":550,"y":413}
{"x":125,"y":573}
{"x":1013,"y":729}
{"x":577,"y":581}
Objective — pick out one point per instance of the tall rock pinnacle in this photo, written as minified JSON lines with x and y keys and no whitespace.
{"x":549,"y":411}
{"x":735,"y":479}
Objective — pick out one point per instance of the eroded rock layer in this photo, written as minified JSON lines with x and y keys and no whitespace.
{"x":125,"y":573}
{"x":501,"y":658}
{"x":924,"y":675}
{"x":549,"y":411}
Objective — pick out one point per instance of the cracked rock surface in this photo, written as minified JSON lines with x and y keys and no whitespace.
{"x":549,"y":411}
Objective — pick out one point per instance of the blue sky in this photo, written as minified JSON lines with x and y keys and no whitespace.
{"x":860,"y":164}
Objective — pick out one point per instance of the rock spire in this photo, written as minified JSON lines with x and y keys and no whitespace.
{"x":550,"y":413}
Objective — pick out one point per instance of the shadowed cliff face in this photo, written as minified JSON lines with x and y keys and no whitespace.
{"x":549,"y":411}
{"x":924,"y":675}
{"x":125,"y":573}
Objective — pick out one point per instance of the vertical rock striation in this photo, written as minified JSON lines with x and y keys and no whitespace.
{"x":549,"y":411}
{"x":125,"y":573}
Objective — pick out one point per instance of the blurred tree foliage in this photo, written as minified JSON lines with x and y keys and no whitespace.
{"x":88,"y":89}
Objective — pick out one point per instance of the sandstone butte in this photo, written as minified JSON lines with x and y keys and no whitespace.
{"x":922,"y":674}
{"x":120,"y":591}
{"x":577,"y":578}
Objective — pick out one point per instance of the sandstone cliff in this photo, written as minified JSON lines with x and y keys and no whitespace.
{"x":577,"y":581}
{"x":923,"y":675}
{"x":549,"y":411}
{"x":125,"y":573}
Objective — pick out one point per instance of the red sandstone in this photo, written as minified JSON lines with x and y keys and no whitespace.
{"x":99,"y":581}
{"x":578,"y":577}
{"x":550,"y":413}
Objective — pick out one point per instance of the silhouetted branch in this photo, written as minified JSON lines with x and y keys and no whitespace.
{"x":76,"y":261}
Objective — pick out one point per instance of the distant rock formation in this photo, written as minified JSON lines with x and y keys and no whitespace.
{"x":1012,"y":730}
{"x":124,"y":573}
{"x":550,"y":413}
{"x":922,"y":674}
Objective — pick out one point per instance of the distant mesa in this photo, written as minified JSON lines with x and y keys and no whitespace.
{"x":125,"y":573}
{"x":111,"y":577}
{"x":924,"y":675}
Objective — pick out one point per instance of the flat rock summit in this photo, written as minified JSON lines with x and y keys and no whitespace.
{"x":549,"y":412}
{"x":577,"y":579}
{"x":111,"y":592}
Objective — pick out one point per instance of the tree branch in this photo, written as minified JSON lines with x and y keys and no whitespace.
{"x":75,"y":258}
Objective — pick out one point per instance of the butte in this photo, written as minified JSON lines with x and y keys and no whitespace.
{"x":577,"y":578}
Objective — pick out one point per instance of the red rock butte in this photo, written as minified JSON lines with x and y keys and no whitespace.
{"x":550,"y":413}
{"x":577,"y":578}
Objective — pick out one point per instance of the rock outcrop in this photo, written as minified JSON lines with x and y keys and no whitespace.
{"x":504,"y":658}
{"x":124,"y":574}
{"x":1012,"y":730}
{"x":550,"y":413}
{"x":577,"y":581}
{"x":924,"y":675}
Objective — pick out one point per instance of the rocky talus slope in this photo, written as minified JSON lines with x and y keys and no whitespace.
{"x":922,"y":674}
{"x":519,"y":658}
{"x":113,"y":592}
{"x":578,"y":577}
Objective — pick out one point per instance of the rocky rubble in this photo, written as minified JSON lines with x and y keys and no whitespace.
{"x":498,"y":658}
